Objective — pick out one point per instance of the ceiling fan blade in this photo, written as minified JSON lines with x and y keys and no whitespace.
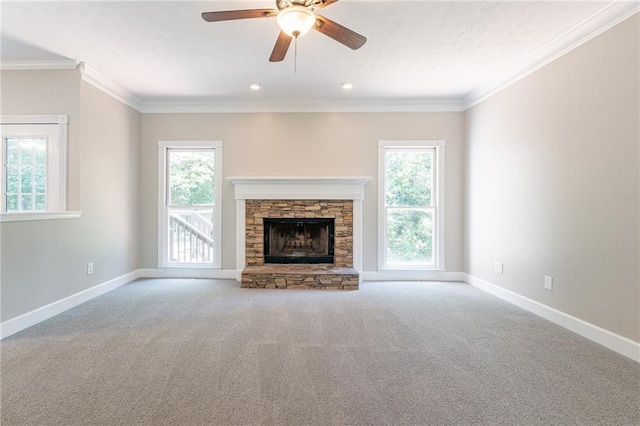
{"x":230,"y":15}
{"x":325,"y":3}
{"x":281,"y":47}
{"x":339,"y":33}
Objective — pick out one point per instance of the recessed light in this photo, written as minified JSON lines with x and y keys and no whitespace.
{"x":347,"y":86}
{"x":255,"y":86}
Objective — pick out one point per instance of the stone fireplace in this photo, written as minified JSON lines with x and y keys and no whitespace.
{"x":299,"y":232}
{"x":298,"y":240}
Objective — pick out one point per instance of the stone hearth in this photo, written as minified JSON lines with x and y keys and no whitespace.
{"x":336,"y":198}
{"x":294,"y":276}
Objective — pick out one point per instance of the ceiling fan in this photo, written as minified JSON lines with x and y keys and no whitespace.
{"x":295,"y":18}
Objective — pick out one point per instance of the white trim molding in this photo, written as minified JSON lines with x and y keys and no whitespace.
{"x":178,"y":272}
{"x":412,"y":275}
{"x":87,"y":73}
{"x":606,"y":338}
{"x":30,"y":216}
{"x":364,"y":105}
{"x":35,"y":119}
{"x":62,"y":64}
{"x":109,"y":87}
{"x":43,"y":313}
{"x":298,"y":188}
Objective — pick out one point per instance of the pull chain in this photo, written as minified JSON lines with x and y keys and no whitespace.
{"x":295,"y":57}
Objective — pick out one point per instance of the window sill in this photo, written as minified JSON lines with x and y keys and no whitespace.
{"x":432,"y":274}
{"x":188,"y":266}
{"x":395,"y":268}
{"x":26,"y":216}
{"x":188,"y":272}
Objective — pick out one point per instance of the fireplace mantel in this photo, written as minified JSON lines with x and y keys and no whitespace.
{"x":269,"y":180}
{"x":298,"y":188}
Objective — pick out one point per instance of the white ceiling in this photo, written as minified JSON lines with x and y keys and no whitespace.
{"x":417,"y":53}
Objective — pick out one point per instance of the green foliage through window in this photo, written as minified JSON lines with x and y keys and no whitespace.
{"x":409,"y":206}
{"x":25,"y":174}
{"x":191,"y":178}
{"x":409,"y":178}
{"x":409,"y":236}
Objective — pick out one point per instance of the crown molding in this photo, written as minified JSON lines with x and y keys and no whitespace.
{"x":64,"y":64}
{"x":110,"y":87}
{"x":234,"y":106}
{"x":606,"y":18}
{"x":88,"y":74}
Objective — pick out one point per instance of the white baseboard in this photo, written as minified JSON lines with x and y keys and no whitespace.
{"x":177,"y":272}
{"x":608,"y":339}
{"x":615,"y":342}
{"x":24,"y":321}
{"x":412,"y":275}
{"x":36,"y":316}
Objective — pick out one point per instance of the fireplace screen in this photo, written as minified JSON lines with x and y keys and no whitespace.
{"x":298,"y":240}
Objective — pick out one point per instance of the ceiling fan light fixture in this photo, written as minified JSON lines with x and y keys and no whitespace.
{"x":296,"y":21}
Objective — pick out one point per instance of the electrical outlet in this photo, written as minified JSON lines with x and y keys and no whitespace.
{"x":548,"y":283}
{"x":497,"y":267}
{"x":90,"y":268}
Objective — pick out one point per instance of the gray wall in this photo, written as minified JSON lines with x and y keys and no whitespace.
{"x":45,"y":261}
{"x":319,"y":144}
{"x":545,"y":175}
{"x":552,"y":184}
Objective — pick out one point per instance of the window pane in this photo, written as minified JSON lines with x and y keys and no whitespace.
{"x":26,"y":151}
{"x":409,"y":178}
{"x":40,"y":146}
{"x":26,"y":178}
{"x":12,"y":179}
{"x":409,"y":237}
{"x":41,"y":179}
{"x":191,"y":177}
{"x":13,"y":151}
{"x":25,"y":202}
{"x":41,"y":204}
{"x":12,"y":203}
{"x":191,"y":235}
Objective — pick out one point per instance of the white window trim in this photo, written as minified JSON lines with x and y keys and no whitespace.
{"x":59,"y":212}
{"x":30,"y":216}
{"x":439,"y":146}
{"x":163,"y":146}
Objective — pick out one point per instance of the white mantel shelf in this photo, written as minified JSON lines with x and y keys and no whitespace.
{"x":300,"y":180}
{"x":279,"y":188}
{"x":298,"y":188}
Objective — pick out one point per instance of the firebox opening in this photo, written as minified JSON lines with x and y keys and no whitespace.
{"x":297,"y":240}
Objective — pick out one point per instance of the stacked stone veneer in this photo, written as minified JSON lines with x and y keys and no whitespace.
{"x":339,"y":275}
{"x":295,"y":276}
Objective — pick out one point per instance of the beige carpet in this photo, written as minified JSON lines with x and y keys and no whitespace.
{"x":205,"y":352}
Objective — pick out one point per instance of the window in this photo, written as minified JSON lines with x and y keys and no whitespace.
{"x":33,"y":157}
{"x":25,"y":166}
{"x":411,"y":204}
{"x":190,"y":208}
